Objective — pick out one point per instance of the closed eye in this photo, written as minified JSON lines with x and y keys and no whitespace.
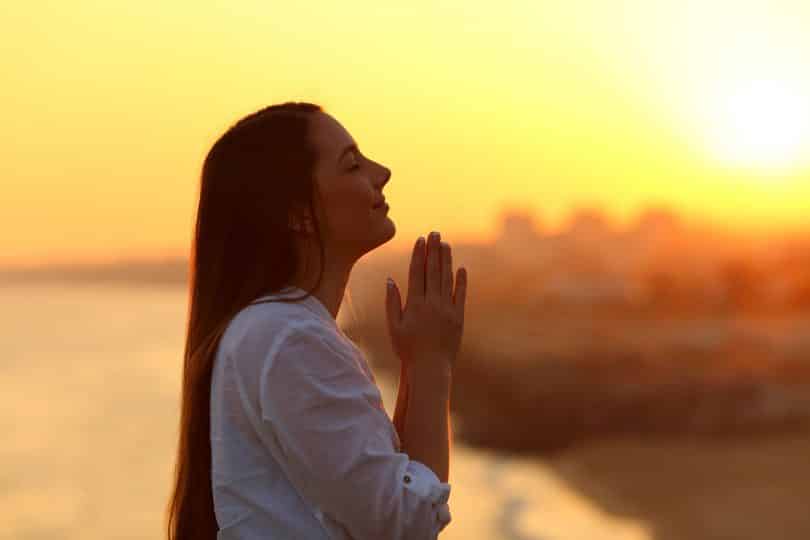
{"x":356,"y":162}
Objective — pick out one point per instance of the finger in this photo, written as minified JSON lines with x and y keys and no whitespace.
{"x":416,"y":274}
{"x":433,"y":276}
{"x":460,"y":296}
{"x":393,"y":306}
{"x":447,"y":272}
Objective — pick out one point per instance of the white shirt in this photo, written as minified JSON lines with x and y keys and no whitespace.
{"x":301,"y":445}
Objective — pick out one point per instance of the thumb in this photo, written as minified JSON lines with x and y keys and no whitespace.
{"x":393,"y":307}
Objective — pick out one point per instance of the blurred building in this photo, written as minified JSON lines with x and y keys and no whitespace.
{"x":519,"y":240}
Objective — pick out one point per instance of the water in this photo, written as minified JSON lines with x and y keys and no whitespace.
{"x":90,"y":394}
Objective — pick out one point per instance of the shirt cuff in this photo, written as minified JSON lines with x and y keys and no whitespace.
{"x":421,"y":479}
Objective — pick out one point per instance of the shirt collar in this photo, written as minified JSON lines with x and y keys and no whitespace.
{"x":311,"y":302}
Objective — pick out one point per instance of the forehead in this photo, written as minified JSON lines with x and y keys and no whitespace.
{"x":329,"y":137}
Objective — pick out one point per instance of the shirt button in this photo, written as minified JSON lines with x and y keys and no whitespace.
{"x":407,"y":479}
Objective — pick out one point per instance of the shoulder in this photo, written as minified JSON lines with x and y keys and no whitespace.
{"x":265,"y":329}
{"x":257,"y":327}
{"x":322,"y":346}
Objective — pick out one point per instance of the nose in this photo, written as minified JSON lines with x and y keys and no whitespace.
{"x":386,"y":176}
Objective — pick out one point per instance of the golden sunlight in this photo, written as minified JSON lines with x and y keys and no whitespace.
{"x":761,"y":123}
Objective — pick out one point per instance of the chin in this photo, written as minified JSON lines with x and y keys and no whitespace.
{"x":384,"y":232}
{"x":390,"y":229}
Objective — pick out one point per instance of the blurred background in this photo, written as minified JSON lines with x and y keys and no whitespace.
{"x":627,"y":183}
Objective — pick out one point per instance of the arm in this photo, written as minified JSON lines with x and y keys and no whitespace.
{"x":401,"y":409}
{"x":427,"y":427}
{"x":337,"y":445}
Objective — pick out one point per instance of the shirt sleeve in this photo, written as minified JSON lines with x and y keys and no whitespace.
{"x":337,"y":444}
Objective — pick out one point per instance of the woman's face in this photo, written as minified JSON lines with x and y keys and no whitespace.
{"x":350,"y":186}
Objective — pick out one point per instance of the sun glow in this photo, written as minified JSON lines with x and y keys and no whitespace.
{"x":761,"y":123}
{"x":701,"y":106}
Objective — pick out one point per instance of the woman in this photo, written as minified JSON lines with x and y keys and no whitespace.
{"x":283,"y":433}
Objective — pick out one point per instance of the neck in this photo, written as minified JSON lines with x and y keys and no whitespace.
{"x":332,"y":286}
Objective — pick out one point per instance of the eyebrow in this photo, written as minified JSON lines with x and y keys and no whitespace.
{"x":346,"y":150}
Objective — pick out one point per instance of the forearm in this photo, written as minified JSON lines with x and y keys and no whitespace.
{"x":427,"y":425}
{"x":401,"y":409}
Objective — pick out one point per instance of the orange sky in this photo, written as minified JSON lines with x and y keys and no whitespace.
{"x":109,"y":109}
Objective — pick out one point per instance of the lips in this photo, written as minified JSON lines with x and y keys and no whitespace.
{"x":380,"y":204}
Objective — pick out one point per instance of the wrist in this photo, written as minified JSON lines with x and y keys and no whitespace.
{"x":434,"y":371}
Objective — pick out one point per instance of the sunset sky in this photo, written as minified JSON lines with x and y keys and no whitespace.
{"x":110,"y":107}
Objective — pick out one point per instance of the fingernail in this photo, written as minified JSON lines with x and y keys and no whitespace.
{"x":390,"y":282}
{"x":434,"y":234}
{"x":421,"y":241}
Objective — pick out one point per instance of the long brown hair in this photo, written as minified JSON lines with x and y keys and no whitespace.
{"x":252,"y":177}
